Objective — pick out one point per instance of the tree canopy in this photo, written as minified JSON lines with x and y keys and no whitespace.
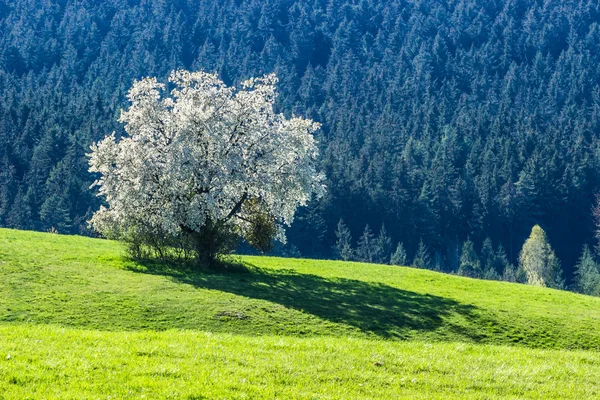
{"x":538,"y":261}
{"x":204,"y":159}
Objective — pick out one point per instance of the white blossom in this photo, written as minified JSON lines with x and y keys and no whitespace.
{"x":197,"y":154}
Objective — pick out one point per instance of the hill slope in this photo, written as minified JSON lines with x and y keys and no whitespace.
{"x":86,"y":283}
{"x":77,"y":320}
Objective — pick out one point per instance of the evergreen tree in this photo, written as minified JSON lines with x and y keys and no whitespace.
{"x":309,"y":230}
{"x":422,"y":257}
{"x":510,"y":274}
{"x":469,"y":261}
{"x":453,"y":257}
{"x":487,"y":255}
{"x":367,"y":246}
{"x":438,"y":261}
{"x":539,"y":262}
{"x":506,"y":270}
{"x":596,"y":214}
{"x":399,"y":257}
{"x":343,"y":245}
{"x":383,"y":247}
{"x":54,"y":213}
{"x":19,"y":215}
{"x":488,"y":261}
{"x":587,"y":274}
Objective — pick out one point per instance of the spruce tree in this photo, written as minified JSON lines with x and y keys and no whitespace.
{"x":507,"y":271}
{"x":488,"y":261}
{"x":382,"y":247}
{"x":422,"y":257}
{"x":343,"y":245}
{"x":438,"y":261}
{"x":469,"y":261}
{"x":510,"y":274}
{"x":399,"y":257}
{"x":539,"y":262}
{"x":587,"y":274}
{"x":54,"y":214}
{"x":366,"y":249}
{"x":487,"y":255}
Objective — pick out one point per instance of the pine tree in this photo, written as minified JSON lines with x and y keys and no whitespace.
{"x":487,"y":255}
{"x":453,"y":257}
{"x":422,"y":257}
{"x":587,"y":274}
{"x":469,"y":261}
{"x":488,"y":261}
{"x":20,"y":215}
{"x":438,"y":262}
{"x":539,"y":262}
{"x":54,"y":211}
{"x":54,"y":214}
{"x":510,"y":274}
{"x":309,"y":230}
{"x":596,"y":215}
{"x":383,"y":247}
{"x":506,"y":270}
{"x":343,"y":245}
{"x":367,"y":244}
{"x":399,"y":257}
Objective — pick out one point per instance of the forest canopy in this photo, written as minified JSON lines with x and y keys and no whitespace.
{"x":446,"y":120}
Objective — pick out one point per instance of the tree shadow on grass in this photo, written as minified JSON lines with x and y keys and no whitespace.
{"x":373,"y":308}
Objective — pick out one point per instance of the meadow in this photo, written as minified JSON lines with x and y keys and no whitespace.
{"x":80,"y":320}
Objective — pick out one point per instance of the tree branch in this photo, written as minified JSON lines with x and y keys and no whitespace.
{"x":237,"y":207}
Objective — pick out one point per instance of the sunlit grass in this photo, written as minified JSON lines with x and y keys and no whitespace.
{"x":78,"y":320}
{"x":52,"y":362}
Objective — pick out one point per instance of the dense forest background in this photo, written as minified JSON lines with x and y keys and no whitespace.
{"x":446,"y":120}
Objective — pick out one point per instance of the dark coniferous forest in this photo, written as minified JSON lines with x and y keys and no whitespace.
{"x":448,"y":121}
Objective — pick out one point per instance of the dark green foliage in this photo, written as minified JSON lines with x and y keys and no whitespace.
{"x":194,"y":248}
{"x":501,"y":262}
{"x":343,"y":244}
{"x":309,"y":230}
{"x":262,"y":229}
{"x":367,"y":246}
{"x":399,"y":257}
{"x":469,"y":261}
{"x":447,"y":120}
{"x":383,"y":247}
{"x":489,"y":263}
{"x":54,"y":213}
{"x":587,"y":274}
{"x":487,"y":255}
{"x":422,"y":257}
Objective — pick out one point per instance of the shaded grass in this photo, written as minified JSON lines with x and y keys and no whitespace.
{"x":372,"y":308}
{"x":77,"y":320}
{"x":86,"y":283}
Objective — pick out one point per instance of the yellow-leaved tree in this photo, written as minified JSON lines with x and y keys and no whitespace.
{"x":538,"y":261}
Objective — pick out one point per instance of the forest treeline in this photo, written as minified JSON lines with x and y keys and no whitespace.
{"x":449,"y":121}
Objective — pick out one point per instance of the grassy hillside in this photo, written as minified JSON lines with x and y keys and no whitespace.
{"x":79,"y":320}
{"x":52,"y":362}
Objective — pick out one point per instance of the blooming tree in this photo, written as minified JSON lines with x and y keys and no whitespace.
{"x":204,"y":160}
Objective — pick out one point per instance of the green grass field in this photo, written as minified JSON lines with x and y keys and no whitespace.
{"x":78,"y":320}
